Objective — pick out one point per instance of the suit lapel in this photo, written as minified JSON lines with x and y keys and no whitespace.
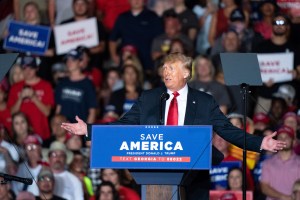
{"x":191,"y":104}
{"x":164,"y":89}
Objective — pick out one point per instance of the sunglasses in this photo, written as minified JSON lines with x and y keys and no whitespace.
{"x":279,"y":22}
{"x":45,"y":178}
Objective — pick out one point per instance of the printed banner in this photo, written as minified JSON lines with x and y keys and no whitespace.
{"x":276,"y":66}
{"x":151,"y":147}
{"x":291,"y":7}
{"x":71,"y":35}
{"x":219,"y":173}
{"x":27,"y":38}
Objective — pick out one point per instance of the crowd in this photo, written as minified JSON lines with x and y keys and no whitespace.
{"x":101,"y":83}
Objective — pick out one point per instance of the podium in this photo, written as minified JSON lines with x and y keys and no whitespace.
{"x":154,"y":155}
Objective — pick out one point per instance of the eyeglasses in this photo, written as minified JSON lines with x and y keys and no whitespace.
{"x":279,"y":22}
{"x":31,"y":147}
{"x":56,"y":155}
{"x":45,"y":178}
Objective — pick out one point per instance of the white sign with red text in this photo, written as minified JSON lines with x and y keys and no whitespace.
{"x":276,"y":66}
{"x":71,"y":35}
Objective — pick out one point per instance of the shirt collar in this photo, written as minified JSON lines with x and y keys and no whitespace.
{"x":182,"y":92}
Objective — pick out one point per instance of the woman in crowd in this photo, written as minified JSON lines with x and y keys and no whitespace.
{"x":115,"y":176}
{"x":122,"y":99}
{"x":235,"y":179}
{"x":107,"y":191}
{"x":204,"y":81}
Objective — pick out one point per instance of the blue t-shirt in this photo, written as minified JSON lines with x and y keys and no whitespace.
{"x":75,"y":98}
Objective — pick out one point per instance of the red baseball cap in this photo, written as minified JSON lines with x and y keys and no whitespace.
{"x":286,"y":129}
{"x":261,"y":117}
{"x":290,"y":114}
{"x":32,"y":139}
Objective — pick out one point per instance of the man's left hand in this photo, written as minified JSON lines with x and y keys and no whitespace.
{"x":269,"y":144}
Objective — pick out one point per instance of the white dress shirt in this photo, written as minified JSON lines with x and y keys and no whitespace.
{"x":181,"y":100}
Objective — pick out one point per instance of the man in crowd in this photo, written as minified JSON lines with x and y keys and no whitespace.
{"x":185,"y":106}
{"x":275,"y":182}
{"x":46,"y":182}
{"x":67,"y":185}
{"x":75,"y":94}
{"x":137,"y":27}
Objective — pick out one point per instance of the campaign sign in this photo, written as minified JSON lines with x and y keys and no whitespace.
{"x":276,"y":66}
{"x":27,"y":38}
{"x":151,"y":147}
{"x":71,"y":35}
{"x":219,"y":173}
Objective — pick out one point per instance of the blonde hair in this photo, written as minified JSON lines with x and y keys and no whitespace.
{"x":211,"y":66}
{"x":185,"y":60}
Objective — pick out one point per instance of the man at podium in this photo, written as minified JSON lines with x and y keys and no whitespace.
{"x":178,"y":104}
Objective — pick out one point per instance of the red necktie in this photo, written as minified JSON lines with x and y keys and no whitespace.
{"x":173,"y":111}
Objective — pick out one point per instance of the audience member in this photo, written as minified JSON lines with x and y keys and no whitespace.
{"x":219,"y":22}
{"x":188,"y":19}
{"x":107,"y":191}
{"x":275,"y":182}
{"x":204,"y":11}
{"x":80,"y":9}
{"x":67,"y":185}
{"x":5,"y":115}
{"x":137,"y":27}
{"x":276,"y":112}
{"x":46,"y":182}
{"x":15,"y":74}
{"x":122,"y":99}
{"x":278,"y":43}
{"x":31,"y":167}
{"x":9,"y":157}
{"x":267,"y":10}
{"x":59,"y":11}
{"x":223,"y":146}
{"x":172,"y":30}
{"x":20,"y":13}
{"x":92,"y":72}
{"x":235,"y":179}
{"x":75,"y":94}
{"x":59,"y":71}
{"x":57,"y":133}
{"x":288,"y":93}
{"x":114,"y":177}
{"x":33,"y":96}
{"x":78,"y":167}
{"x":108,"y":11}
{"x":261,"y":121}
{"x":5,"y":192}
{"x":204,"y":80}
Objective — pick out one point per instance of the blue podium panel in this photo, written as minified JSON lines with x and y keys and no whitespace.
{"x":151,"y":147}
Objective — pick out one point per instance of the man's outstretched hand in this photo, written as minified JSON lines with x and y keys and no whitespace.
{"x":79,"y":128}
{"x":269,"y":144}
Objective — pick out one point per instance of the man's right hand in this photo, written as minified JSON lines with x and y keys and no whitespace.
{"x":79,"y":128}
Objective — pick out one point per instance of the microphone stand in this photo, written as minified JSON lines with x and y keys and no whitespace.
{"x":245,"y":92}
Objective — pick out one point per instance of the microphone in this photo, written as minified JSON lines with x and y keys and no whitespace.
{"x":164,"y":97}
{"x":26,"y":181}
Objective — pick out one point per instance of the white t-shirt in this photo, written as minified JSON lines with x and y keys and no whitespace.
{"x":23,"y":172}
{"x":68,"y":186}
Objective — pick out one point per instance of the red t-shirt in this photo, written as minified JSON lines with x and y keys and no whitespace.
{"x":111,"y":10}
{"x":95,"y":75}
{"x":128,"y":194}
{"x":5,"y":119}
{"x":37,"y":119}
